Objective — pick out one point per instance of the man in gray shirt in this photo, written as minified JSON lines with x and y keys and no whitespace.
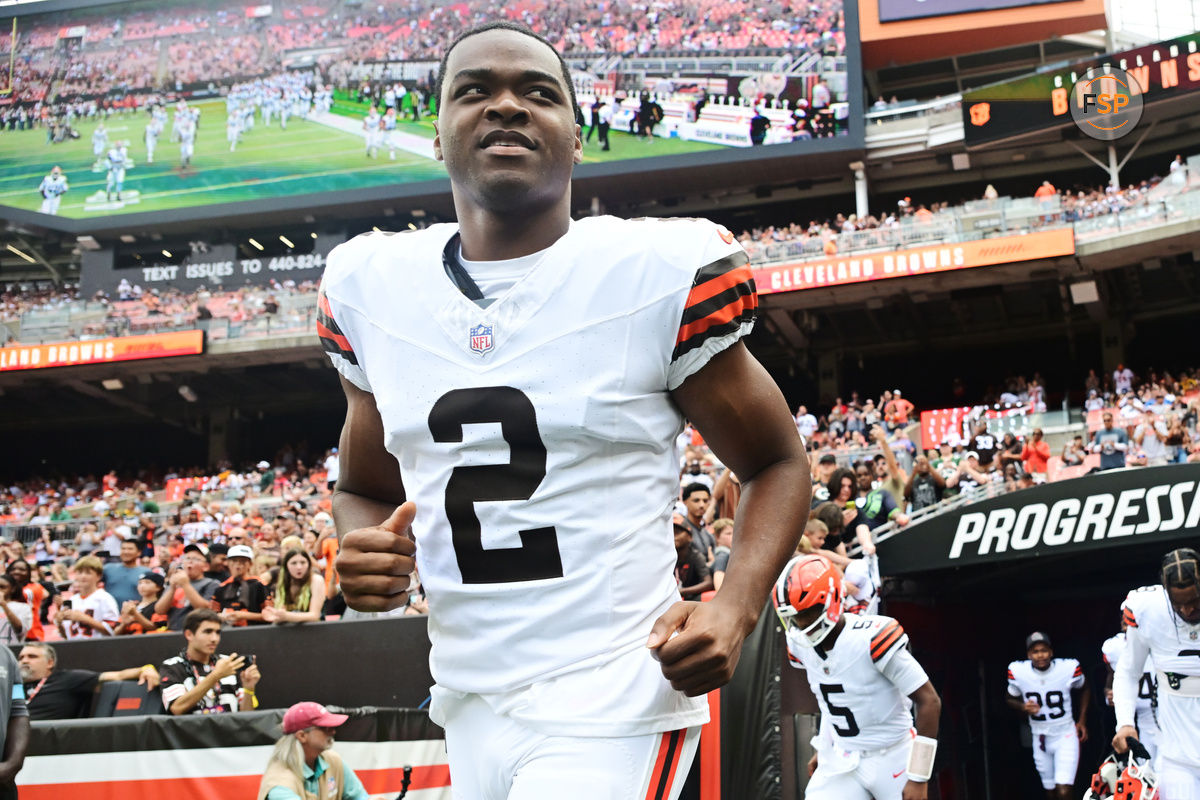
{"x":1111,"y":443}
{"x":14,"y":724}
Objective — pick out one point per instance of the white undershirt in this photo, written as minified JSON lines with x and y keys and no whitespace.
{"x":494,"y":278}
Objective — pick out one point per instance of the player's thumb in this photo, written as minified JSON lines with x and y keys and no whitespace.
{"x":400,"y":520}
{"x":667,"y":624}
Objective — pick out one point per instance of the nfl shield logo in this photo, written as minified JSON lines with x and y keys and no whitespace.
{"x":481,"y":339}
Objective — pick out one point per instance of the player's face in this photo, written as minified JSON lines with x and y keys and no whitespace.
{"x":1040,"y":655}
{"x":506,"y":128}
{"x":1186,"y":603}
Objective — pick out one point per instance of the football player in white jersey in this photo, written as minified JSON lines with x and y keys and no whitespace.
{"x":53,"y":187}
{"x":1147,"y":726}
{"x":865,"y":682}
{"x":514,"y":386}
{"x":1164,"y":622}
{"x":1040,"y":687}
{"x":116,"y":163}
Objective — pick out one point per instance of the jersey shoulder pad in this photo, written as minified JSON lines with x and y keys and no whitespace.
{"x":1072,"y":665}
{"x":1111,"y":649}
{"x":1016,"y":669}
{"x":886,"y":635}
{"x":1139,"y":601}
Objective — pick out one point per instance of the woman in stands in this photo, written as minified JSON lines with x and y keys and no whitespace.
{"x":20,"y":574}
{"x":299,"y":593}
{"x":16,"y":617}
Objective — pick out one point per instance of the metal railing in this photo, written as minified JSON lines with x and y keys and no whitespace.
{"x":961,"y":500}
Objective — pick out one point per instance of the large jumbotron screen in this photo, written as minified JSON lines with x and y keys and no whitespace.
{"x":174,"y":105}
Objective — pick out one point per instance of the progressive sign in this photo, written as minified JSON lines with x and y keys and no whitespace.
{"x":1123,"y":508}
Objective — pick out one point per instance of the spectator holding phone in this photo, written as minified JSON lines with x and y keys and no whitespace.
{"x":92,"y":611}
{"x":200,"y":681}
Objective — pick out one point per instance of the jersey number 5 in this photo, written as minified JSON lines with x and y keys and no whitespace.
{"x":851,"y":728}
{"x":537,"y":558}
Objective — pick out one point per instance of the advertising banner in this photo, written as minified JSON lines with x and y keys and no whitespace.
{"x":843,"y":270}
{"x":1149,"y":506}
{"x":101,"y":351}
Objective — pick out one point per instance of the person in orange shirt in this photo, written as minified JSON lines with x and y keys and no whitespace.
{"x":1036,"y":454}
{"x":1045,"y":190}
{"x":327,"y":550}
{"x":34,"y":592}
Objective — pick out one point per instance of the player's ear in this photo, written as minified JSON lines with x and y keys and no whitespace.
{"x":437,"y":143}
{"x":577,"y":156}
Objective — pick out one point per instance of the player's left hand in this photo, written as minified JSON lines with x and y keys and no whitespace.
{"x":704,"y":654}
{"x":915,"y":791}
{"x":1081,"y":731}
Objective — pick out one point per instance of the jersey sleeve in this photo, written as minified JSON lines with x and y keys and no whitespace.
{"x":905,"y":672}
{"x":720,"y":308}
{"x":1014,"y":688}
{"x":1077,"y":677}
{"x":337,"y":345}
{"x":890,"y":639}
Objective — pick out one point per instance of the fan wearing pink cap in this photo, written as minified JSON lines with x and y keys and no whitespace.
{"x":302,"y":764}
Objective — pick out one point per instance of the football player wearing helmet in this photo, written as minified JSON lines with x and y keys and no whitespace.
{"x":515,"y":384}
{"x":1040,"y":687}
{"x":866,"y":682}
{"x":1163,"y":622}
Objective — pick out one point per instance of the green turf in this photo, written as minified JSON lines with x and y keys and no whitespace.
{"x":269,"y":162}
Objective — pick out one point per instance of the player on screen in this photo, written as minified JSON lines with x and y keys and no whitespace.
{"x":494,"y":433}
{"x":154,"y":129}
{"x":865,"y":682}
{"x":99,"y":145}
{"x":52,"y":188}
{"x":389,"y":132}
{"x":1164,"y":622}
{"x":1040,"y":687}
{"x":115,"y":164}
{"x":185,"y":125}
{"x":233,"y":129}
{"x":372,"y":131}
{"x":1147,"y":726}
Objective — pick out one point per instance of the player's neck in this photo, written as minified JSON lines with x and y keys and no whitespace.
{"x":489,"y":236}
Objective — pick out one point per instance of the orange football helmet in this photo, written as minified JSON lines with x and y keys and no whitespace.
{"x":809,"y":581}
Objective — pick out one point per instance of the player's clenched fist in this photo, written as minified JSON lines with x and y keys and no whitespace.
{"x":374,"y":564}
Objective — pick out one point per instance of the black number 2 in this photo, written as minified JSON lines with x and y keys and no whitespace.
{"x":537,"y":558}
{"x":851,"y":728}
{"x":1055,"y":701}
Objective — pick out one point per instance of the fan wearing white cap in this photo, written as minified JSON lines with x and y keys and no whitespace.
{"x":303,"y":763}
{"x":241,"y":597}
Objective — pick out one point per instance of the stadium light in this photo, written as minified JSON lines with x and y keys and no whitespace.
{"x":412,"y":226}
{"x":314,"y":234}
{"x":112,"y":384}
{"x":166,"y":253}
{"x":187,"y":393}
{"x":286,"y":241}
{"x":376,"y":229}
{"x":22,"y":254}
{"x":255,"y":243}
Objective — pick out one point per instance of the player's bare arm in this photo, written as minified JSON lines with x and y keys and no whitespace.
{"x":1085,"y":701}
{"x":928,"y":711}
{"x":375,"y":559}
{"x":745,"y":420}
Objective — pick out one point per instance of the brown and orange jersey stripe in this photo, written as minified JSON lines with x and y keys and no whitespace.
{"x":1130,"y":619}
{"x":722,"y":299}
{"x":332,"y":339}
{"x":886,"y":639}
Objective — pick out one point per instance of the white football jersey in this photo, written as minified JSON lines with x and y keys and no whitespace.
{"x":1050,"y":689}
{"x":1112,"y":650}
{"x":1153,"y":628}
{"x":536,"y":436}
{"x":861,"y":707}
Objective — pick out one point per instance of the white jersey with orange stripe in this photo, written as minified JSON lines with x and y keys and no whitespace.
{"x":1050,"y":689}
{"x":1153,"y":627}
{"x":862,"y":683}
{"x":536,"y":437}
{"x":1112,"y":650}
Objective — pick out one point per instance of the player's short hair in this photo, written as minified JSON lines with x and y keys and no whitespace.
{"x":1181,"y":569}
{"x":503,"y":25}
{"x":692,"y":488}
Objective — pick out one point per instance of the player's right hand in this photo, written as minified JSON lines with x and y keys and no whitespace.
{"x":1118,"y":742}
{"x":812,"y":765}
{"x":1032,"y":708}
{"x":374,"y":564}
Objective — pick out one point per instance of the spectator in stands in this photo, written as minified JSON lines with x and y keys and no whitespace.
{"x":299,"y":593}
{"x":1111,"y":443}
{"x":198,"y":680}
{"x":696,"y":500}
{"x":242,"y":597}
{"x":1150,"y":436}
{"x":823,"y":471}
{"x":1010,"y":452}
{"x":1073,"y":452}
{"x":121,"y":578}
{"x":187,"y":589}
{"x":892,"y":479}
{"x":896,"y":411}
{"x":35,"y":595}
{"x":303,"y":763}
{"x":1122,"y":379}
{"x":806,"y":423}
{"x":833,"y":546}
{"x":969,"y":475}
{"x":691,"y":569}
{"x":92,"y":611}
{"x":218,"y":553}
{"x":1178,"y":440}
{"x":984,"y":445}
{"x":16,"y":617}
{"x":723,"y":532}
{"x":813,"y":540}
{"x":52,"y":693}
{"x":1036,"y":457}
{"x":926,"y":485}
{"x":877,"y":505}
{"x":139,"y":616}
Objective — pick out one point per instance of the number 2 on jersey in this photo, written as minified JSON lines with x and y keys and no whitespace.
{"x":537,"y":558}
